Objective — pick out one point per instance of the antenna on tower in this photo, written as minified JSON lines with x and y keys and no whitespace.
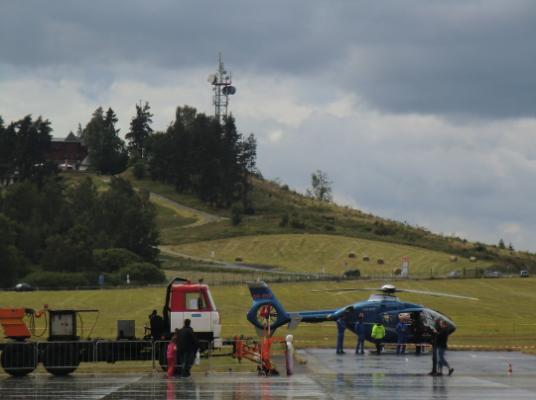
{"x":222,"y":88}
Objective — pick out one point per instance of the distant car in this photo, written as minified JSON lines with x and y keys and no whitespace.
{"x":24,"y":287}
{"x":352,"y":273}
{"x":454,"y":274}
{"x":492,"y":274}
{"x":524,"y":273}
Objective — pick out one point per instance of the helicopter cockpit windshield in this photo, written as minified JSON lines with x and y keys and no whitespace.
{"x":382,"y":297}
{"x":429,"y":319}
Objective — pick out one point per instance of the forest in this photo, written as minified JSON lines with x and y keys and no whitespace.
{"x":56,"y":233}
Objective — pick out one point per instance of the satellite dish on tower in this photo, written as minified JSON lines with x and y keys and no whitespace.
{"x":228,"y":90}
{"x":212,"y":79}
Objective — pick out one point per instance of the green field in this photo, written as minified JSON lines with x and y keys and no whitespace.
{"x":504,"y":317}
{"x":328,"y":254}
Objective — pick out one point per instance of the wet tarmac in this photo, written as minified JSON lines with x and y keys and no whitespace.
{"x":477,"y":375}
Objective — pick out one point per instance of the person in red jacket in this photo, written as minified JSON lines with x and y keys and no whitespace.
{"x":171,"y":356}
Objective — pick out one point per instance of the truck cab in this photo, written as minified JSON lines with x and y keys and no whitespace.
{"x":187,"y":300}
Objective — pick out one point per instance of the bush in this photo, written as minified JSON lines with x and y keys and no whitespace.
{"x":236,"y":215}
{"x":352,"y":273}
{"x":139,"y":170}
{"x":111,"y":260}
{"x":142,"y":272}
{"x":297,"y":222}
{"x":283,"y":223}
{"x":47,"y":279}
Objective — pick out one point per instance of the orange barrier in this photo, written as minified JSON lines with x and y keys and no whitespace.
{"x":12,"y":322}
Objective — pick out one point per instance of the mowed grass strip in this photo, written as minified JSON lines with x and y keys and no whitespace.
{"x":504,"y":316}
{"x":327,"y":253}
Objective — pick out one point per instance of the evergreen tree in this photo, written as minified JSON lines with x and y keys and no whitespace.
{"x":12,"y":262}
{"x":105,"y":148}
{"x":247,"y":162}
{"x":140,"y":130}
{"x":7,"y":145}
{"x":199,"y":155}
{"x":28,"y":143}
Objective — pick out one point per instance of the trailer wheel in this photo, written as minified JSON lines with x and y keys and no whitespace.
{"x":61,"y":358}
{"x":18,"y":359}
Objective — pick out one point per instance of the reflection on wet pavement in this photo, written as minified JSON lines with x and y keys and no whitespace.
{"x":477,"y":376}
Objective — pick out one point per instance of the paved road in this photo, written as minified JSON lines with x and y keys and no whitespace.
{"x":478,"y":375}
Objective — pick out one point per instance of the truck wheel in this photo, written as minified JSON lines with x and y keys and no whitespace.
{"x":61,"y":358}
{"x":18,"y":359}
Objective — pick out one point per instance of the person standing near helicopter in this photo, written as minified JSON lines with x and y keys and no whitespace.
{"x":360,"y":332}
{"x":378,"y":333}
{"x":402,"y":329}
{"x":441,"y":342}
{"x":342,"y":322}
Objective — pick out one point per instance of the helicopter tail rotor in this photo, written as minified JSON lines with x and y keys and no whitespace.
{"x":266,"y":313}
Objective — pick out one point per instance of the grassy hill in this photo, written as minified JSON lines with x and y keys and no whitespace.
{"x":328,"y":254}
{"x":274,"y":235}
{"x":293,"y":232}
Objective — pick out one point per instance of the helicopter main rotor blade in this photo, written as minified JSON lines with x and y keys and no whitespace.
{"x":345,"y":290}
{"x":456,"y":296}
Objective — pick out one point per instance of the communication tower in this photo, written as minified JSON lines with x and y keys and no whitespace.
{"x":222,"y":88}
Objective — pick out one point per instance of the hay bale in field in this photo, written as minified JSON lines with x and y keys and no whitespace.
{"x":238,"y":259}
{"x":366,"y":258}
{"x":380,"y":261}
{"x":472,"y":258}
{"x":351,"y":254}
{"x":397,"y":272}
{"x":453,"y":258}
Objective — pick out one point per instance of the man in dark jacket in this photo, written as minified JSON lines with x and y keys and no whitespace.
{"x":433,"y":333}
{"x":360,"y":332}
{"x":188,"y":346}
{"x":157,"y":325}
{"x":442,"y":339}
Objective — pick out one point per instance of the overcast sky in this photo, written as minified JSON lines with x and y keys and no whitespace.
{"x":420,"y":111}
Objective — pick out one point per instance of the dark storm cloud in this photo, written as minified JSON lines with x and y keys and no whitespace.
{"x":459,"y":58}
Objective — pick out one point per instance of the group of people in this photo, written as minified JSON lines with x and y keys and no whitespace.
{"x":439,"y":334}
{"x":182,"y":348}
{"x":181,"y":351}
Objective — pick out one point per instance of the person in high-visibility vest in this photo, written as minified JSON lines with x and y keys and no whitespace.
{"x":378,"y":333}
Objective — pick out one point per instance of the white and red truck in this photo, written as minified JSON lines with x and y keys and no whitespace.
{"x":193,"y":301}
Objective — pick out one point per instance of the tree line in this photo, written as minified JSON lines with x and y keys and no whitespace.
{"x":198,"y":154}
{"x":48,"y":230}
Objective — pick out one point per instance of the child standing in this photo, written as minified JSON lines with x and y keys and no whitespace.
{"x":171,"y":355}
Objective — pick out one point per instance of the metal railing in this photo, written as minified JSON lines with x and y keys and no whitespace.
{"x":64,"y":357}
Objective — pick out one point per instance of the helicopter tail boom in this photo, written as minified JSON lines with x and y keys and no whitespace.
{"x":267,"y":311}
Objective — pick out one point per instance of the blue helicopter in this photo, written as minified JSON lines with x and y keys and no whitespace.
{"x":267,"y":313}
